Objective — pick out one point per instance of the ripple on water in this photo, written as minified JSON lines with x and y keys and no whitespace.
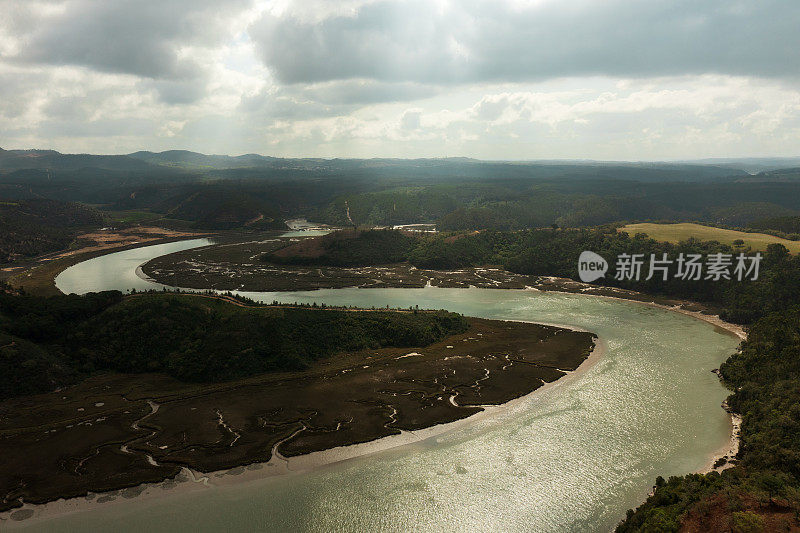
{"x":572,"y":457}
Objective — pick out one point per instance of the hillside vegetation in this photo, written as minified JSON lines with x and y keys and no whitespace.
{"x":222,"y":192}
{"x":220,"y":208}
{"x":34,"y":227}
{"x":789,"y":225}
{"x":46,"y":343}
{"x":506,"y":204}
{"x":347,"y":248}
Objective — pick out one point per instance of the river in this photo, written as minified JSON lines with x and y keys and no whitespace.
{"x":573,"y":457}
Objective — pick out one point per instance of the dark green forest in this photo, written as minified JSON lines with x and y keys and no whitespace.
{"x":554,"y":252}
{"x":33,"y":227}
{"x":47,"y":343}
{"x":347,"y":249}
{"x":188,"y":189}
{"x":788,"y":226}
{"x":566,"y":202}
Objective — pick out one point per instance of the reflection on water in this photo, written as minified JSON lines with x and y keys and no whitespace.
{"x":572,"y":458}
{"x":118,"y":270}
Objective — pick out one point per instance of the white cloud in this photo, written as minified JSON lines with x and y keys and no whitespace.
{"x":609,"y":79}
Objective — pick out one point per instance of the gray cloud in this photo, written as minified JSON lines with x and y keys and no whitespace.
{"x":392,"y":41}
{"x":17,"y":92}
{"x":501,"y":79}
{"x":176,"y":92}
{"x":483,"y":40}
{"x":142,"y":37}
{"x":130,"y":126}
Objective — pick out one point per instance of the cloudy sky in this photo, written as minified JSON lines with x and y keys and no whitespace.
{"x":494,"y":79}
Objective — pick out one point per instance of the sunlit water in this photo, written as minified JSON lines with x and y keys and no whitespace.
{"x":570,"y":458}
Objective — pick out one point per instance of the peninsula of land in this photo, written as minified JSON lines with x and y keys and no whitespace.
{"x":123,"y":426}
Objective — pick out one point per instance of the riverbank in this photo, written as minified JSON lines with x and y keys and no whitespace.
{"x":37,"y":276}
{"x":346,"y":399}
{"x":233,"y":476}
{"x":190,"y":481}
{"x":723,"y":458}
{"x":227,"y":268}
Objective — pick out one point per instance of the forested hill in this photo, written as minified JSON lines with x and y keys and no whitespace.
{"x":214,"y":207}
{"x":519,"y":204}
{"x":456,"y":167}
{"x":347,"y":248}
{"x":787,"y":225}
{"x":34,"y":227}
{"x":452,"y":167}
{"x":50,"y":159}
{"x":224,"y":192}
{"x":46,"y":343}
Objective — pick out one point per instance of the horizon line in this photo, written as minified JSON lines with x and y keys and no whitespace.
{"x":442,"y":157}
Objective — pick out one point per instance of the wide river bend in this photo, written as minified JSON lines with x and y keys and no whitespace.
{"x":572,"y":457}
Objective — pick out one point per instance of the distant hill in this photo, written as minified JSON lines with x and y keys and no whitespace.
{"x":251,"y":190}
{"x":50,"y":159}
{"x":689,"y":170}
{"x":462,"y":167}
{"x":220,"y":208}
{"x":783,"y":174}
{"x":195,"y":160}
{"x":752,"y":165}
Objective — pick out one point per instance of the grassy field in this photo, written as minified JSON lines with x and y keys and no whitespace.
{"x":680,"y":232}
{"x":132,"y":216}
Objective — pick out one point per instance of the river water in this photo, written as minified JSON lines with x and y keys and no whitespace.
{"x":573,"y":457}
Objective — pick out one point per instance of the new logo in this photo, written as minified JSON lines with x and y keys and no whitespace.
{"x":591,"y":266}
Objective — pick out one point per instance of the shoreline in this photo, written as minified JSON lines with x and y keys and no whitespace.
{"x":730,"y":448}
{"x":39,"y":278}
{"x":189,"y":480}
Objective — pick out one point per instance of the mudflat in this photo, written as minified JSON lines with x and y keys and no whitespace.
{"x":238,"y":266}
{"x":116,"y":430}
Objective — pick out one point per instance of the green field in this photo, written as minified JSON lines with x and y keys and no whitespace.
{"x":132,"y":216}
{"x":680,"y":232}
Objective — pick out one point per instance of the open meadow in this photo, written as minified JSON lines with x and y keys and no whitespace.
{"x":680,"y":232}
